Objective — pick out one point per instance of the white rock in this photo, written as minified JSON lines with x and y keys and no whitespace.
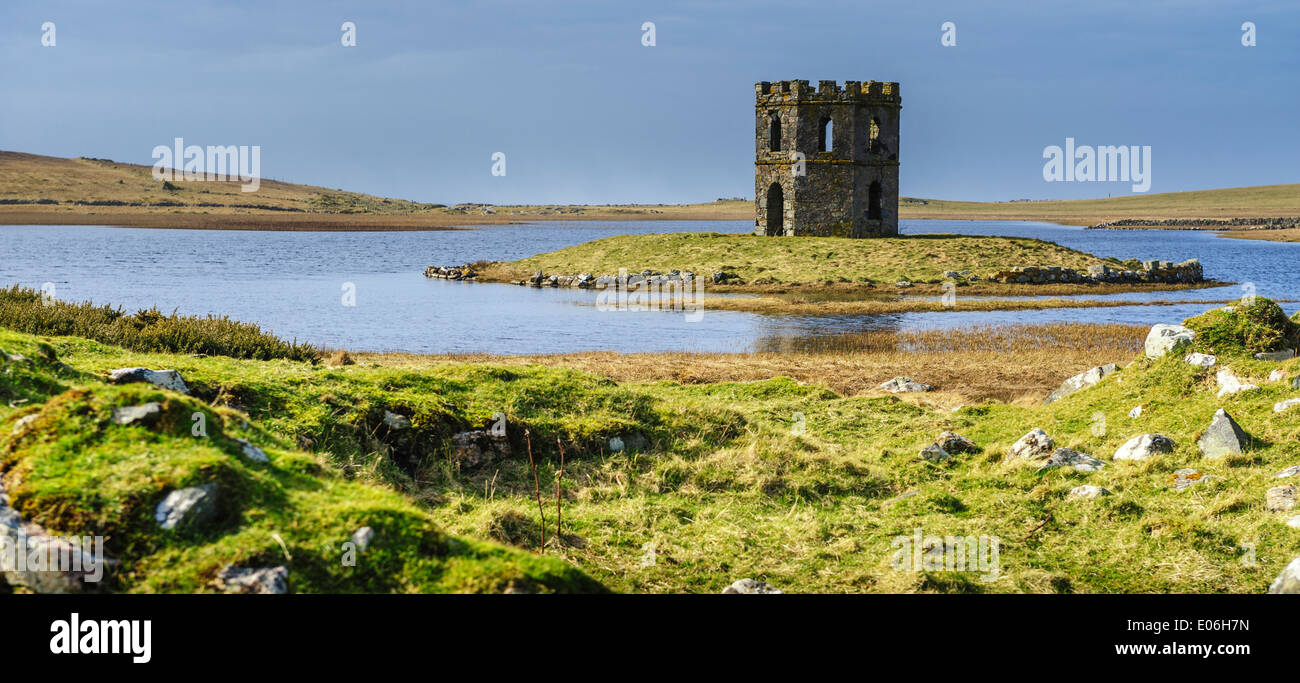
{"x":362,"y":537}
{"x":1294,"y":522}
{"x":1032,"y":446}
{"x":1135,"y":413}
{"x":164,"y":379}
{"x":1087,"y":491}
{"x":1165,"y":338}
{"x":904,"y":385}
{"x":1277,"y":375}
{"x":1230,"y":383}
{"x":1144,"y":446}
{"x":1284,"y":405}
{"x":1201,"y":360}
{"x":1289,"y":580}
{"x":1288,"y":472}
{"x":23,"y":422}
{"x":750,"y":587}
{"x":1081,"y":381}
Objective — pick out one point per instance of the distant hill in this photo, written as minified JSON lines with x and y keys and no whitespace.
{"x":37,"y":189}
{"x":1263,"y":201}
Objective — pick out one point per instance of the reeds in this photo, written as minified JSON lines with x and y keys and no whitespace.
{"x":25,"y":310}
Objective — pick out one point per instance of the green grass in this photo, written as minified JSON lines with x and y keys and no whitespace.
{"x":25,"y":310}
{"x":726,"y":488}
{"x":77,"y":473}
{"x":817,"y":260}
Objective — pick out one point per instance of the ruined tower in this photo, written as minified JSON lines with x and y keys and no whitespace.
{"x":826,"y":160}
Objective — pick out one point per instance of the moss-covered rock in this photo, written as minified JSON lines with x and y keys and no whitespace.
{"x":1244,"y":327}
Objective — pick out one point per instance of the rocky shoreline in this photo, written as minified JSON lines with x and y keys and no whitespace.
{"x":1199,"y":224}
{"x":581,"y":280}
{"x":1153,"y":271}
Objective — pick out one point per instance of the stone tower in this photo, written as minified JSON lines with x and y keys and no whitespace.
{"x":826,"y":160}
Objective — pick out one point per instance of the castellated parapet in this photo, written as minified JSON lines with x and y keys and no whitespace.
{"x":826,"y":158}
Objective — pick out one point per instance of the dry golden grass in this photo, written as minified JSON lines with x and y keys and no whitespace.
{"x":1010,"y":363}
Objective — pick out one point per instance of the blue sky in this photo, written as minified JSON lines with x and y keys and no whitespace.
{"x":586,"y":114}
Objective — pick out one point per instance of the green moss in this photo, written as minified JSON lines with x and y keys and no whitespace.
{"x":1244,"y":327}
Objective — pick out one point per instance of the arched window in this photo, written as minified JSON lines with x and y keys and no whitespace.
{"x":774,"y":134}
{"x":826,"y":137}
{"x":775,"y":210}
{"x":874,"y":135}
{"x":874,"y":201}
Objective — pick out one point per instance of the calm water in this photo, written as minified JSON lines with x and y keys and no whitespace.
{"x":292,"y":283}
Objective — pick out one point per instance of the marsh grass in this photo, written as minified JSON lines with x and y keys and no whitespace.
{"x":24,"y":310}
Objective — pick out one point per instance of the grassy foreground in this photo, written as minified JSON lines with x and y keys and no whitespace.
{"x":772,"y":479}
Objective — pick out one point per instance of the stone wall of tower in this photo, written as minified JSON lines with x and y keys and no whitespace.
{"x":827,"y":193}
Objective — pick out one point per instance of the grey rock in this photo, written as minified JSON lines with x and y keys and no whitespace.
{"x":144,"y":415}
{"x":187,"y":507}
{"x":1201,"y":360}
{"x":1276,"y":356}
{"x":396,"y":422}
{"x":934,"y":453}
{"x":1081,"y":381}
{"x":1289,"y":580}
{"x":1280,"y":498}
{"x":953,"y":442}
{"x":1033,"y":446}
{"x":904,"y":385}
{"x":1144,"y":446}
{"x":164,"y":379}
{"x":750,"y":587}
{"x":1223,"y":437}
{"x":1068,"y":457}
{"x":263,"y":581}
{"x":1087,"y":491}
{"x":252,"y":452}
{"x":1163,"y":339}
